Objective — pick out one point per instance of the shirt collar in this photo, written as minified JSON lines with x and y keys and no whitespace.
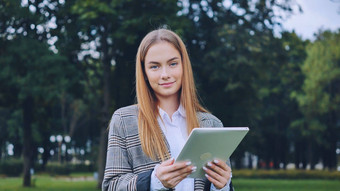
{"x":162,"y":113}
{"x":180,"y":111}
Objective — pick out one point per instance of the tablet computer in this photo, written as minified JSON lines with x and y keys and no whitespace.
{"x":207,"y":144}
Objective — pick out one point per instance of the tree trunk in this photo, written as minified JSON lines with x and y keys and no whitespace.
{"x":102,"y":156}
{"x":297,"y":154}
{"x":46,"y":155}
{"x":105,"y":112}
{"x":250,"y":159}
{"x":309,"y":154}
{"x":27,"y":140}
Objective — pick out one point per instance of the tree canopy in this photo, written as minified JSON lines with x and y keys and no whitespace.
{"x":67,"y":65}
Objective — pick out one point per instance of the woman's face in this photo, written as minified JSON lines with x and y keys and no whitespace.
{"x":163,"y":68}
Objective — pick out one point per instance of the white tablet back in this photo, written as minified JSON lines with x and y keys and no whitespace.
{"x":207,"y":144}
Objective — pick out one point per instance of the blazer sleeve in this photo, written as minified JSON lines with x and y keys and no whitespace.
{"x":118,"y":175}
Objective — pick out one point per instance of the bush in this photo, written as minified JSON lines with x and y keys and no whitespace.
{"x":13,"y":167}
{"x":82,"y":168}
{"x":287,"y":174}
{"x":58,"y":169}
{"x":66,"y":169}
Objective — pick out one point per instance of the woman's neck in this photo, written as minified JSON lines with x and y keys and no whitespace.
{"x":169,"y":105}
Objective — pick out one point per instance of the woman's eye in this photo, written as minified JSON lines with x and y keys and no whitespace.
{"x":173,"y":64}
{"x":153,"y":67}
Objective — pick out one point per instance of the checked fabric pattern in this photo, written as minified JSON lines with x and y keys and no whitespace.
{"x":127,"y":167}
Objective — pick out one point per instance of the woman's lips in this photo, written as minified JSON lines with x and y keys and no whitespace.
{"x":167,"y":84}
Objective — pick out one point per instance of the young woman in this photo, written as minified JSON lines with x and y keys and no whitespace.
{"x":145,"y":139}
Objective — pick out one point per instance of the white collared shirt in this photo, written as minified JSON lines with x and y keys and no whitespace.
{"x":175,"y":131}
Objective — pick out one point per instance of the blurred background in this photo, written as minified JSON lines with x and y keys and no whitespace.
{"x":66,"y":66}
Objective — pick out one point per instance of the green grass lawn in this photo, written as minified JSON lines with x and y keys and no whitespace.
{"x":291,"y":185}
{"x":77,"y":183}
{"x":48,"y":183}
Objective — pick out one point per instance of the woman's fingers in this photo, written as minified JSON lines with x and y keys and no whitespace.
{"x":170,"y":173}
{"x":221,"y":164}
{"x":218,"y":173}
{"x":212,"y":172}
{"x":215,"y":182}
{"x":169,"y":162}
{"x":180,"y":175}
{"x":177,"y":166}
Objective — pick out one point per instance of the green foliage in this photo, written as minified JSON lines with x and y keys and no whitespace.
{"x":58,"y":169}
{"x":319,"y":99}
{"x":92,"y":9}
{"x":11,"y":167}
{"x":31,"y":68}
{"x":66,"y":168}
{"x":14,"y":168}
{"x":322,"y":71}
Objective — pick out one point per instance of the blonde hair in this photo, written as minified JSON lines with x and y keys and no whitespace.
{"x":151,"y":136}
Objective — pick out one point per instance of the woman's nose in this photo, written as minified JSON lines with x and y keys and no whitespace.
{"x":165,"y":74}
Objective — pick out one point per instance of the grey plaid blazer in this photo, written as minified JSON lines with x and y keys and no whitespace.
{"x":127,"y":167}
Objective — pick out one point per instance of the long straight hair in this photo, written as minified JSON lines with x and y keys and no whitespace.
{"x":151,"y":136}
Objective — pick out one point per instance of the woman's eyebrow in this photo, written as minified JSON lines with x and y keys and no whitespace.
{"x":155,"y":62}
{"x":152,"y":62}
{"x":174,"y":58}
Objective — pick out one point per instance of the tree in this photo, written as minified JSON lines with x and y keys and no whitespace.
{"x":38,"y":76}
{"x":320,"y":97}
{"x":19,"y":21}
{"x":291,"y":81}
{"x":233,"y":51}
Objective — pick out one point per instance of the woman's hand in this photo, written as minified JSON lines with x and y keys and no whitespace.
{"x":218,"y":173}
{"x":170,"y":173}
